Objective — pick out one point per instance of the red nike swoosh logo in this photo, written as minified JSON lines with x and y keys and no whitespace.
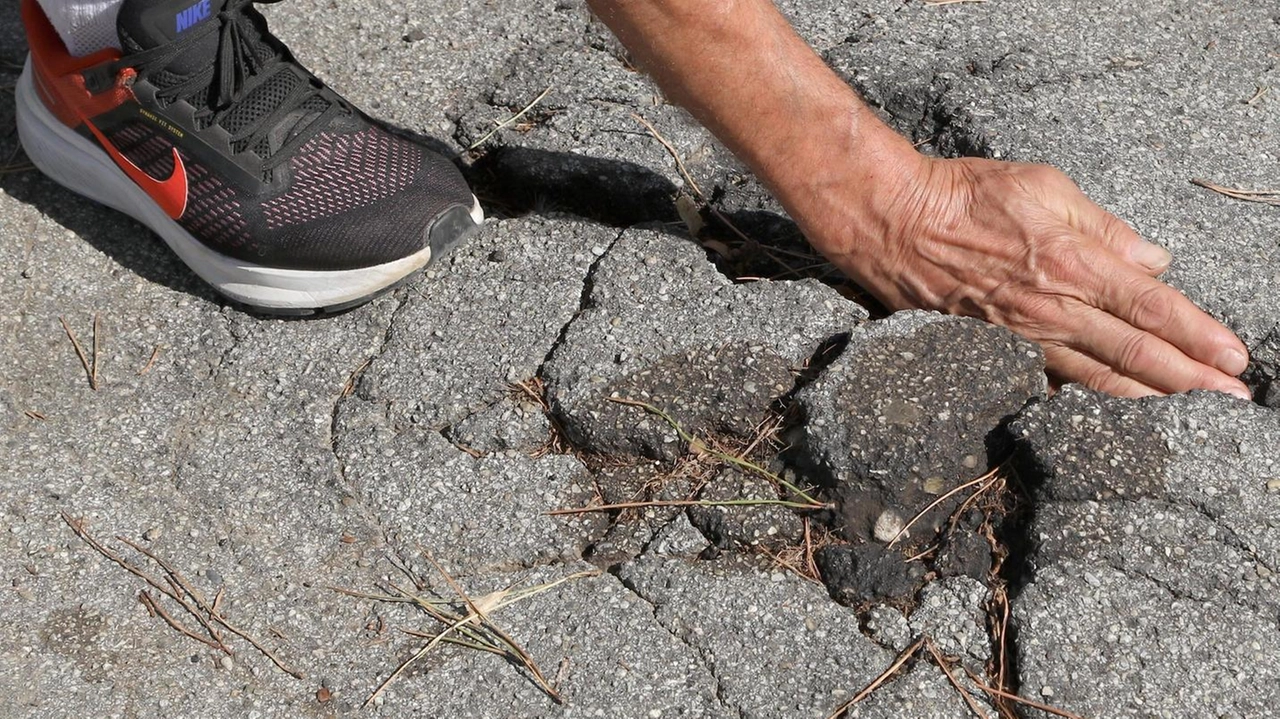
{"x":170,"y":194}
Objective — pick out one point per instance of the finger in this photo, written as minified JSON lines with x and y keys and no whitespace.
{"x":1145,"y":358}
{"x":1158,"y":309}
{"x":1150,"y":258}
{"x":1115,"y":234}
{"x":1067,"y":365}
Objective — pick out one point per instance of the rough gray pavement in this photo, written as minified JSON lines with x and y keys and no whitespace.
{"x":778,"y":646}
{"x":1152,"y":587}
{"x":278,"y":459}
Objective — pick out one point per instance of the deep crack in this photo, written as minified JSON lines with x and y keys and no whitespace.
{"x":699,"y":652}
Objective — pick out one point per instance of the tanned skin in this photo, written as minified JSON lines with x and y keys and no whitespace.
{"x":1017,"y":245}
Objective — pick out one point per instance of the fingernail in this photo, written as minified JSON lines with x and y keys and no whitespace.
{"x":1241,"y":392}
{"x":1232,"y":361}
{"x":1151,"y":256}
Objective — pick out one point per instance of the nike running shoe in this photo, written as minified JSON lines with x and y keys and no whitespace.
{"x":270,"y":186}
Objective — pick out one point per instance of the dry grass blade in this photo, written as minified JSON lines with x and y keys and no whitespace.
{"x":471,"y":629}
{"x":903,"y":658}
{"x":1265,"y":197}
{"x":511,"y":120}
{"x":1262,"y":92}
{"x":946,"y":669}
{"x":16,"y":169}
{"x":739,"y":462}
{"x":480,"y":613}
{"x":404,"y":666}
{"x":84,"y":359}
{"x":693,"y":184}
{"x":919,"y":515}
{"x":1025,"y":702}
{"x":939,"y":3}
{"x":680,"y":503}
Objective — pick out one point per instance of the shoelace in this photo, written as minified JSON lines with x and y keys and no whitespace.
{"x":244,"y":53}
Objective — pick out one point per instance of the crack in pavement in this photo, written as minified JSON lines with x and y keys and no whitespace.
{"x":334,"y":440}
{"x":698,"y":652}
{"x":584,"y":302}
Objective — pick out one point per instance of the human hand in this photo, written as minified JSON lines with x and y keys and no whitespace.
{"x":1018,"y":245}
{"x":1021,"y":246}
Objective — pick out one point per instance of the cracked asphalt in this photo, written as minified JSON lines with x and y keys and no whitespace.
{"x":272,"y":461}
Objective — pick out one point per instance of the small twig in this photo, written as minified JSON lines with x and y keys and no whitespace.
{"x":97,"y":330}
{"x":938,"y":3}
{"x":350,"y":386}
{"x":810,"y":563}
{"x":903,"y":658}
{"x":179,"y":589}
{"x":1265,"y":197}
{"x":1026,"y":702}
{"x":171,"y":590}
{"x":510,"y":121}
{"x":84,"y":360}
{"x":150,"y":362}
{"x":1261,"y":93}
{"x":157,"y":610}
{"x":34,"y":414}
{"x":946,"y":669}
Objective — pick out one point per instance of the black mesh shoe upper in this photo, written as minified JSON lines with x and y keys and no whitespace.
{"x":281,"y":170}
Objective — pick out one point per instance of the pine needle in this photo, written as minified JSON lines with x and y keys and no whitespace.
{"x":1265,"y":197}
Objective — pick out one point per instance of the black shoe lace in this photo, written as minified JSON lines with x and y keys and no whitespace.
{"x":247,"y":57}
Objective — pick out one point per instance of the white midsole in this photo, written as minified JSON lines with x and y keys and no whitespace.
{"x":77,"y":164}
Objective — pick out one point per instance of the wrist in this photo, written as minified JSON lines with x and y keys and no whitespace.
{"x":845,"y":177}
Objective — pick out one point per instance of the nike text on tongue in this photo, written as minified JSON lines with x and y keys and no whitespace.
{"x":193,"y":15}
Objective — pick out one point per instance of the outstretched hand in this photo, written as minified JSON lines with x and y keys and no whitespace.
{"x":1021,"y":246}
{"x":1018,"y":245}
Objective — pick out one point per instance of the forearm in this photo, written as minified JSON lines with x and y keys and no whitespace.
{"x":741,"y":70}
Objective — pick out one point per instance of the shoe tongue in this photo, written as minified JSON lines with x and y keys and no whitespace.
{"x":147,"y":24}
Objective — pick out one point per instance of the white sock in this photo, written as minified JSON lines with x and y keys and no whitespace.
{"x":85,"y":26}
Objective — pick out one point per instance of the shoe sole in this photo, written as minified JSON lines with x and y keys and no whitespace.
{"x":77,"y":164}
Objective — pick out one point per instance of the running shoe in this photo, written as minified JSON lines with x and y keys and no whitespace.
{"x":268,"y":185}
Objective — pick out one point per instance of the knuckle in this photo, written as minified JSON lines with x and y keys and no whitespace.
{"x":1136,"y":354}
{"x":1043,"y":176}
{"x":1152,"y":308}
{"x":1103,"y":379}
{"x":1056,"y":259}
